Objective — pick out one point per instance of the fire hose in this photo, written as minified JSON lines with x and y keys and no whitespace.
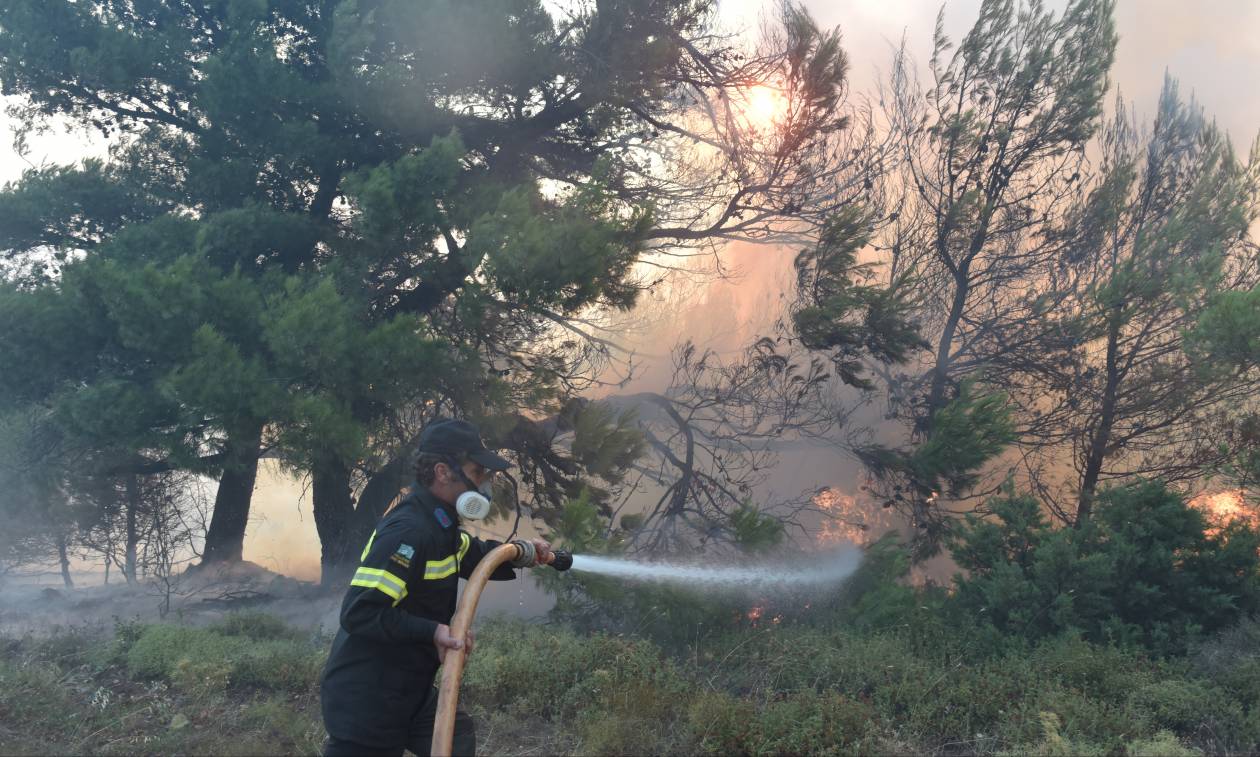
{"x":519,"y":552}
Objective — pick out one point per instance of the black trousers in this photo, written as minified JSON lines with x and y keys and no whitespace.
{"x":419,"y":736}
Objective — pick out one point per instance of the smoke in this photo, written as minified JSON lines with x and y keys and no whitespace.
{"x":281,"y":534}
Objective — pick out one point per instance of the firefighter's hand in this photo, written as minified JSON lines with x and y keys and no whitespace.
{"x":443,"y":640}
{"x":542,"y":551}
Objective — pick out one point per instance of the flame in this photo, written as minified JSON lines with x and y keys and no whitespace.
{"x":847,"y":519}
{"x":754,"y":614}
{"x":1225,"y":507}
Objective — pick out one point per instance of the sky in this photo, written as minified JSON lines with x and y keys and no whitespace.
{"x":1211,"y":46}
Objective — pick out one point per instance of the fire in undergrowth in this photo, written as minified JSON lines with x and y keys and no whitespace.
{"x":848,"y":519}
{"x":1225,"y":507}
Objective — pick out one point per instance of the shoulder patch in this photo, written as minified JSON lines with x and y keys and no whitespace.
{"x":403,"y":555}
{"x":442,"y":517}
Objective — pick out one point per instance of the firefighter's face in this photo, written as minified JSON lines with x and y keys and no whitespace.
{"x":478,"y":474}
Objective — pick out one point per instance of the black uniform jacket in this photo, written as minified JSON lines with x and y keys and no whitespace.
{"x":383,"y":660}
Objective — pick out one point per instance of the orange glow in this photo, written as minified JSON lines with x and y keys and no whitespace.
{"x":848,"y":520}
{"x":755,"y":614}
{"x":764,"y":104}
{"x":1224,"y":507}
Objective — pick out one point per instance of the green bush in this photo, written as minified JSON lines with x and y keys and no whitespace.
{"x":1162,"y":744}
{"x":204,"y":659}
{"x":255,"y":625}
{"x":1143,"y":570}
{"x":1231,"y":660}
{"x":827,"y":723}
{"x":719,"y":723}
{"x":1188,"y":708}
{"x":620,"y":694}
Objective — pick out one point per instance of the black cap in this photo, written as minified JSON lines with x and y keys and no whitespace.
{"x":453,"y":437}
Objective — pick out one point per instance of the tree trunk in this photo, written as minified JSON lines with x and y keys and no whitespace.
{"x":1101,"y":439}
{"x":333,"y":506}
{"x":133,"y":503}
{"x":344,"y":525}
{"x":63,"y":556}
{"x":380,"y":490}
{"x":944,"y":347}
{"x":225,"y":538}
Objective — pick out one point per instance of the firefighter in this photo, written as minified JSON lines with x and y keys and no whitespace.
{"x":377,"y":691}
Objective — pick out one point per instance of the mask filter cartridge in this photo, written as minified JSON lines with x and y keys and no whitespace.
{"x":473,"y":505}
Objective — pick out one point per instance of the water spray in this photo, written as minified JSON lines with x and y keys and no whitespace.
{"x":823,"y":569}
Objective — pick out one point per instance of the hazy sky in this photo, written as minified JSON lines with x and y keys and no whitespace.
{"x":1212,"y":46}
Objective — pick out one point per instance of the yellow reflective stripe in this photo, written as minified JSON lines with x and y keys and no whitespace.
{"x":383,"y":580}
{"x":435,"y":569}
{"x":366,"y":549}
{"x":465,"y":541}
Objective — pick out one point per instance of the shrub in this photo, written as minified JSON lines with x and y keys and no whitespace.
{"x":719,"y":723}
{"x":826,"y":723}
{"x":255,"y":625}
{"x":565,"y":674}
{"x":203,"y":659}
{"x":1144,"y":570}
{"x":1188,"y":708}
{"x":1231,"y":660}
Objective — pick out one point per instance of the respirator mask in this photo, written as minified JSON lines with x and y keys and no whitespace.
{"x":475,"y":503}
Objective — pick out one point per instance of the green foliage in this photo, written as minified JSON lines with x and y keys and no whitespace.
{"x":606,"y":442}
{"x":964,"y":436}
{"x":1143,"y":571}
{"x":842,"y":315}
{"x":1228,"y":332}
{"x":796,"y":689}
{"x":64,"y":207}
{"x":1225,"y":340}
{"x":1231,"y":661}
{"x":581,"y":528}
{"x":203,"y":659}
{"x":51,"y":702}
{"x":570,"y":254}
{"x":967,"y":433}
{"x":878,"y":594}
{"x":754,"y":531}
{"x":827,"y":723}
{"x":258,"y":626}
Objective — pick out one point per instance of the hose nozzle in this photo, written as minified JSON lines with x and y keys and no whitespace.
{"x":561,"y":559}
{"x":527,"y":556}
